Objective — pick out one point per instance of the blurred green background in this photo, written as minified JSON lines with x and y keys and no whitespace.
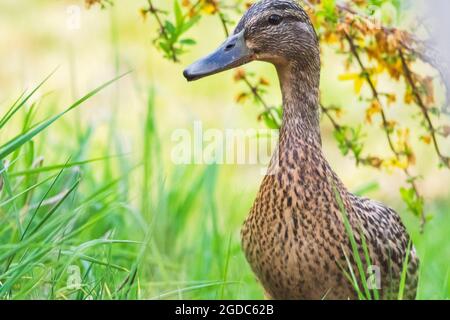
{"x":132,"y":224}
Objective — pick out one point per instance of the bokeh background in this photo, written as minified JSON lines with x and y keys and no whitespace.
{"x":142,"y":226}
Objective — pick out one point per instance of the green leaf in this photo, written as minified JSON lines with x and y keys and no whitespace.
{"x":329,"y":7}
{"x":171,"y":29}
{"x":269,"y":120}
{"x":188,"y":42}
{"x":190,"y":23}
{"x":179,"y":18}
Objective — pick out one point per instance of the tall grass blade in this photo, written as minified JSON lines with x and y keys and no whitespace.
{"x":16,"y":107}
{"x":19,"y":140}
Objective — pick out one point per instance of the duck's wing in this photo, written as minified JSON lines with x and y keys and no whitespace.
{"x":388,"y":240}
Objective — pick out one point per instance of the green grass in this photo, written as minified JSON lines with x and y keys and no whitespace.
{"x":133,"y":226}
{"x":68,"y":232}
{"x":363,"y":277}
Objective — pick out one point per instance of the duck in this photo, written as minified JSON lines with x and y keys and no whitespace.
{"x":295,"y":238}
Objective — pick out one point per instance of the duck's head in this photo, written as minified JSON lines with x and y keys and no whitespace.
{"x":275,"y":31}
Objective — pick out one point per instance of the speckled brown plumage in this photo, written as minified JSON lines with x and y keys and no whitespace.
{"x":294,"y":238}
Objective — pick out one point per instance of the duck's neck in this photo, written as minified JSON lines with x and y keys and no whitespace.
{"x":300,"y":130}
{"x":300,"y":88}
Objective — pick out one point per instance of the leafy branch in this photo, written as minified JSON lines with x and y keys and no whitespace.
{"x":423,"y":108}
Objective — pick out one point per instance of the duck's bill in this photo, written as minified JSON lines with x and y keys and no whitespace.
{"x":231,"y":54}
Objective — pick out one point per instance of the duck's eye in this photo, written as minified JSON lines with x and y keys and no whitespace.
{"x":275,"y":19}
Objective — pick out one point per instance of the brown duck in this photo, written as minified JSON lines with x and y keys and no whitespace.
{"x":295,"y":237}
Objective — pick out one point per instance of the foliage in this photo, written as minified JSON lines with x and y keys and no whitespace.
{"x":63,"y":229}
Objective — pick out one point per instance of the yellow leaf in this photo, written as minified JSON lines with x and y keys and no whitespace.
{"x":239,"y":74}
{"x":411,"y":158}
{"x":241,"y":97}
{"x":264,"y":81}
{"x":375,"y":162}
{"x":426,"y":139}
{"x":373,"y":109}
{"x":379,"y":69}
{"x":143,"y":12}
{"x":402,"y":164}
{"x":331,"y":37}
{"x":348,"y":76}
{"x":391,"y":98}
{"x":374,"y":81}
{"x":210,"y":8}
{"x":408,"y":97}
{"x":429,"y":90}
{"x":358,"y":85}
